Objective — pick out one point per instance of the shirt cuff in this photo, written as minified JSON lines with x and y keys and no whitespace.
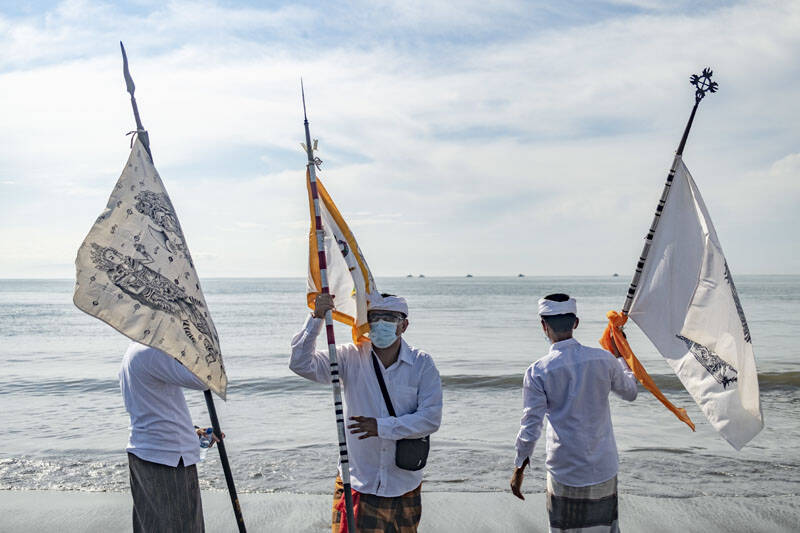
{"x":386,"y":427}
{"x":520,"y":459}
{"x":313,"y":325}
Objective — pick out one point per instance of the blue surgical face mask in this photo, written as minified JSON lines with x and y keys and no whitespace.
{"x":382,"y":333}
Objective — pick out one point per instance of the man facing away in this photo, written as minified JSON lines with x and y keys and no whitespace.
{"x":163,"y":447}
{"x":386,"y":497}
{"x":571,"y":385}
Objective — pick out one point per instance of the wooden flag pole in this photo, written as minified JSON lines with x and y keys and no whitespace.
{"x":212,"y":412}
{"x":335,"y":382}
{"x":703,"y":85}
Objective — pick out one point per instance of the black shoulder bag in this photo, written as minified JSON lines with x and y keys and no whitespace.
{"x":411,"y":454}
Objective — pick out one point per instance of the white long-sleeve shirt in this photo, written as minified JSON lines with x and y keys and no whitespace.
{"x":571,"y":385}
{"x":161,"y":427}
{"x":414,"y":387}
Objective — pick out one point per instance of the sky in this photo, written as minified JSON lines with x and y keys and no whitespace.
{"x":482,"y":137}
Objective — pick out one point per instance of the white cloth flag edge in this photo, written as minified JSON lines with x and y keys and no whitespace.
{"x":120,"y":286}
{"x":734,"y":412}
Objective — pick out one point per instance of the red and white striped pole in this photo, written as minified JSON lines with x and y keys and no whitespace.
{"x":335,"y":381}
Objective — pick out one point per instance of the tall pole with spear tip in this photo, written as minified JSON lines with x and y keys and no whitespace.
{"x":336,"y":383}
{"x":212,"y":412}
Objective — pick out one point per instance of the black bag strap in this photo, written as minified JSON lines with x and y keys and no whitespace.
{"x":376,"y":365}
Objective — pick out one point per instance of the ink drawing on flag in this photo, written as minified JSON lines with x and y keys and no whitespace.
{"x":687,"y":305}
{"x":349,"y":277}
{"x":134,"y":272}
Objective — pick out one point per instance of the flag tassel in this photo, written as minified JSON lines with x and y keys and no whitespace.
{"x":613,"y":336}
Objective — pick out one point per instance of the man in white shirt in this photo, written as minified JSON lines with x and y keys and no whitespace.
{"x":163,"y":447}
{"x":388,"y":497}
{"x":570,"y":385}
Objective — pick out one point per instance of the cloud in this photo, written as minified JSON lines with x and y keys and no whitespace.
{"x":450,"y":137}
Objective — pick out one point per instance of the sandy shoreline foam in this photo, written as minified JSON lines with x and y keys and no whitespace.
{"x":44,"y":511}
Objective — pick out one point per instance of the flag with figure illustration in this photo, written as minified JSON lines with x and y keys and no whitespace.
{"x":687,"y":305}
{"x":349,"y":278}
{"x":134,"y":272}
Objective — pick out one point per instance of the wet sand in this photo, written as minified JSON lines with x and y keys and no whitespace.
{"x":56,"y":511}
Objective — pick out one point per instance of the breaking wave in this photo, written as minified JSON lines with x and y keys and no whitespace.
{"x":768,"y":381}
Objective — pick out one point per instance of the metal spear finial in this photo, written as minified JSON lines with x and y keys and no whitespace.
{"x":127,"y":73}
{"x":303,"y":92}
{"x":140,"y":131}
{"x":308,"y":147}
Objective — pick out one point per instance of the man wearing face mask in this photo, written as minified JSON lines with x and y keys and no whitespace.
{"x":386,"y":487}
{"x":570,"y":385}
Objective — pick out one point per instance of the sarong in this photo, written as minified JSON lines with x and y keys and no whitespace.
{"x":165,"y":498}
{"x":378,"y":514}
{"x":591,"y":509}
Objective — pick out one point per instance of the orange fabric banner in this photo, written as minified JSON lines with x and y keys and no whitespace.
{"x":613,"y":336}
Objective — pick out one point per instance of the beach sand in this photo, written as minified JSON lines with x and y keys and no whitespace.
{"x":56,"y":511}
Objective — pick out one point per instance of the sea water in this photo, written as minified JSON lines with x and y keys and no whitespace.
{"x":64,"y":425}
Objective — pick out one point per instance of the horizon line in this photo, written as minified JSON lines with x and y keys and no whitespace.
{"x":407,"y":276}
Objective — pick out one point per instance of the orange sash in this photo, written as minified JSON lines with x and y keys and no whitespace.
{"x":613,"y":336}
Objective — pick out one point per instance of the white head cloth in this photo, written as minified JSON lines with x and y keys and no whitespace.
{"x":390,"y":303}
{"x":550,"y":308}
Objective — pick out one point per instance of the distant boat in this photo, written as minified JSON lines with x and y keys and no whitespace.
{"x":410,"y":276}
{"x":422,"y":275}
{"x":520,"y":275}
{"x":469,"y":275}
{"x":616,"y":275}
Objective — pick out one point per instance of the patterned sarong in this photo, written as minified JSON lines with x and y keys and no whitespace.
{"x":591,"y":509}
{"x":165,"y":498}
{"x":377,"y":514}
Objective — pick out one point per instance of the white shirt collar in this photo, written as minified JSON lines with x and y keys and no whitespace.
{"x":405,"y":354}
{"x":563,"y":344}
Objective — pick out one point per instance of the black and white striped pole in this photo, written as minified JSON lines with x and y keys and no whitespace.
{"x":338,"y":406}
{"x":703,"y":84}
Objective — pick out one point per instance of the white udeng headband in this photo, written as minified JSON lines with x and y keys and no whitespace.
{"x":390,"y":303}
{"x":550,"y":308}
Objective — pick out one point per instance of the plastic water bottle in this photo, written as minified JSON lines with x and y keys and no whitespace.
{"x":205,"y":443}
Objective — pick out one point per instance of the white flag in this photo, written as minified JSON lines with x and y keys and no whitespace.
{"x":134,"y":272}
{"x":687,"y":304}
{"x":349,"y":278}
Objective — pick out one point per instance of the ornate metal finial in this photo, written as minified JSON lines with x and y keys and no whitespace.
{"x":310,"y":148}
{"x":316,"y":159}
{"x":703,"y":84}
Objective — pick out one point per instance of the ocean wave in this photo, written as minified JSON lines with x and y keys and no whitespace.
{"x":666,"y":382}
{"x":768,"y":381}
{"x":656,"y":472}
